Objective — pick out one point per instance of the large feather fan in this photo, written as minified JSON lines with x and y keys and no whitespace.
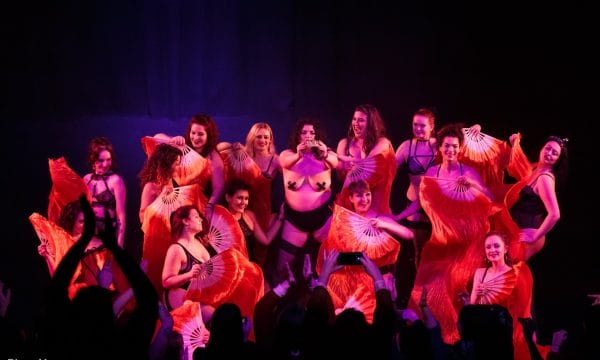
{"x":225,"y":232}
{"x":169,"y":200}
{"x":67,"y":186}
{"x":498,"y":289}
{"x":187,"y":321}
{"x":217,"y":279}
{"x":366,"y":169}
{"x":57,"y":240}
{"x":355,"y":233}
{"x":194,"y":167}
{"x":238,"y":163}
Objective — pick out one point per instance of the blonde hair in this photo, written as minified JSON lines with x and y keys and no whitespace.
{"x":252,"y":136}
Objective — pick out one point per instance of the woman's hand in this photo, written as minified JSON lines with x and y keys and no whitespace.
{"x":475,"y":130}
{"x":43,"y":250}
{"x":195,"y":270}
{"x":377,"y":223}
{"x":464,"y":181}
{"x":178,"y":141}
{"x":301,"y":148}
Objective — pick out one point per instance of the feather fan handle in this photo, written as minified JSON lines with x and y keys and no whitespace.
{"x":362,"y":170}
{"x":455,"y":189}
{"x":218,"y":278}
{"x":188,"y":321}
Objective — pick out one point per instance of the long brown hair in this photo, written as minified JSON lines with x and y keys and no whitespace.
{"x":177,"y":224}
{"x":375,"y":127}
{"x":158,"y":166}
{"x":211,"y":132}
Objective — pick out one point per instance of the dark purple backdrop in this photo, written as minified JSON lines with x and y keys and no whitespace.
{"x":125,"y":69}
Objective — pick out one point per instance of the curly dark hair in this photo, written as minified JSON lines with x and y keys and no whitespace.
{"x":451,"y":130}
{"x":159,"y":165}
{"x":315,"y":122}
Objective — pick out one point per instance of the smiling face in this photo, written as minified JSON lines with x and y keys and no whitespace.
{"x":238,"y":202}
{"x":361,"y":200}
{"x":262,"y":141}
{"x":550,"y":153}
{"x":198,"y":136}
{"x":495,"y":248}
{"x":422,"y":127}
{"x":449,"y":148}
{"x":103,"y":164}
{"x":359,"y":124}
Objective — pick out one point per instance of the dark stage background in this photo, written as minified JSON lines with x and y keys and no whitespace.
{"x":73,"y":70}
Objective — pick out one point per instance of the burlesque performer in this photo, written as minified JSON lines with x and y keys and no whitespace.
{"x":306,"y":168}
{"x":221,"y":276}
{"x":503,"y":283}
{"x":106,"y":187}
{"x":419,"y":154}
{"x":367,"y":154}
{"x":237,"y":197}
{"x":362,"y":230}
{"x":257,"y":164}
{"x":64,"y":226}
{"x":201,"y":136}
{"x":458,"y":204}
{"x":532,"y":201}
{"x":161,"y":195}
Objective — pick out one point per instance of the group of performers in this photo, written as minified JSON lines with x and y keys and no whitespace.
{"x":208,"y":219}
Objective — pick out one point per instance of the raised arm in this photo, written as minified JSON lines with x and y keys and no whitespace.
{"x":178,"y":141}
{"x":288,"y":158}
{"x":66,"y":268}
{"x":140,"y":327}
{"x":217,"y":178}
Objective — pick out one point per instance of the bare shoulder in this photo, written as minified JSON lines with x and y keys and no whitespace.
{"x":116,"y":179}
{"x":175,"y":251}
{"x":342,"y":144}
